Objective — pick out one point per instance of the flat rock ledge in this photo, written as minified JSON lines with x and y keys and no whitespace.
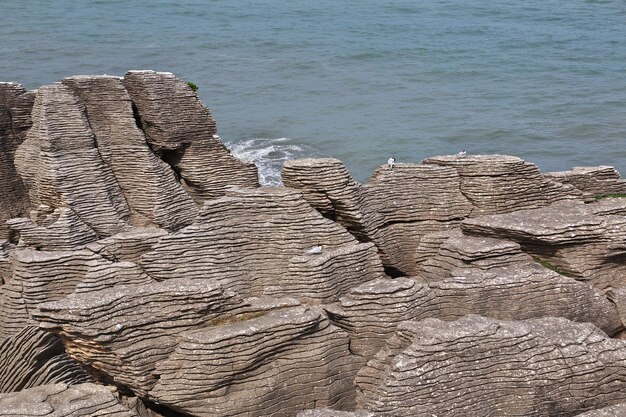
{"x":144,"y":272}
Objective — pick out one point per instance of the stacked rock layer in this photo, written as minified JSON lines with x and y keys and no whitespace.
{"x":144,"y":273}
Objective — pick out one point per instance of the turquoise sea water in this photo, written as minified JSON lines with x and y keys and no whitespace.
{"x":358,"y":80}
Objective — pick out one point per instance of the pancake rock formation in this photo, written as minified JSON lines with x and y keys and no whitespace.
{"x":144,"y":272}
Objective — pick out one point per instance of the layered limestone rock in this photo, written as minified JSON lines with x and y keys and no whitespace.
{"x":181,"y":130}
{"x":502,"y":183}
{"x":15,"y":108}
{"x":37,"y":277}
{"x":62,"y":167}
{"x":327,"y":412}
{"x":328,"y":187}
{"x":617,"y":410}
{"x":32,"y":358}
{"x":127,"y":246}
{"x":592,"y":181}
{"x":457,"y":250}
{"x":62,"y":400}
{"x":477,"y":366}
{"x":149,"y":185}
{"x":124,"y":331}
{"x":61,"y":230}
{"x":571,"y":237}
{"x":302,"y":360}
{"x":412,"y":201}
{"x":112,"y":274}
{"x":256,"y":241}
{"x":371,"y":311}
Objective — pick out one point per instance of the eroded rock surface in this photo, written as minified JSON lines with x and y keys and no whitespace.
{"x":16,"y":104}
{"x":570,"y":236}
{"x":61,"y":400}
{"x":34,"y":357}
{"x":255,"y":241}
{"x":478,"y":366}
{"x":180,"y":129}
{"x":301,"y":359}
{"x":149,"y":185}
{"x":124,"y":331}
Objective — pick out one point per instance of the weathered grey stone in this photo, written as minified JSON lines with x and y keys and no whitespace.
{"x":371,"y":311}
{"x":125,"y":330}
{"x":301,"y":359}
{"x":478,"y":366}
{"x":127,"y":246}
{"x":502,"y":183}
{"x":328,"y":187}
{"x":61,"y":400}
{"x":592,"y":181}
{"x":181,"y":130}
{"x":61,"y":230}
{"x":570,"y":235}
{"x":32,"y":358}
{"x":618,"y":410}
{"x":462,"y":251}
{"x":15,"y":108}
{"x":112,"y":274}
{"x":255,"y":242}
{"x":327,"y":412}
{"x":150,"y":187}
{"x":62,"y":167}
{"x":39,"y":276}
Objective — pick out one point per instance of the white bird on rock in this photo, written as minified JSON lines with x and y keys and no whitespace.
{"x":314,"y":250}
{"x":461,"y":154}
{"x":391,"y":162}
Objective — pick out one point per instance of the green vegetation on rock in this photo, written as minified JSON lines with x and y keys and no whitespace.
{"x":192,"y":85}
{"x":547,"y":264}
{"x":601,"y":196}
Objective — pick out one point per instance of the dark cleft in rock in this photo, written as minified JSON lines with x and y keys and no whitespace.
{"x":16,"y":104}
{"x":181,"y":130}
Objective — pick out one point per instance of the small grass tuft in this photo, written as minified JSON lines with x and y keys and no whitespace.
{"x":226,"y":148}
{"x":599,"y":197}
{"x":547,"y":264}
{"x":192,"y":85}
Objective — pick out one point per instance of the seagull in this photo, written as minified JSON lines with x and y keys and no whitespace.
{"x":461,"y":154}
{"x":314,"y":250}
{"x":391,"y":162}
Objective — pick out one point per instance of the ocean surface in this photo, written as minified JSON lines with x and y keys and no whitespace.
{"x":357,"y":80}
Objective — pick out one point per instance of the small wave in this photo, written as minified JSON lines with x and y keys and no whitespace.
{"x":268,"y":155}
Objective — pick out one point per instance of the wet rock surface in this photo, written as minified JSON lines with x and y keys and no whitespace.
{"x":144,"y":272}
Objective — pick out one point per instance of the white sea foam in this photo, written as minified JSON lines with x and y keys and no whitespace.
{"x":268,"y":155}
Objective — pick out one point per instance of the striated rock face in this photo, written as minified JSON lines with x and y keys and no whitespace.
{"x":123,"y":331}
{"x":328,"y":187}
{"x":32,"y":358}
{"x":301,"y":359}
{"x":326,"y":412}
{"x":580,"y":243}
{"x":617,"y":410}
{"x":137,"y":253}
{"x":180,"y":129}
{"x":592,"y":181}
{"x":371,"y":311}
{"x":255,"y":241}
{"x":62,"y":167}
{"x":61,"y":400}
{"x":502,"y":183}
{"x":39,"y":276}
{"x":15,"y":107}
{"x":478,"y":366}
{"x":149,"y":185}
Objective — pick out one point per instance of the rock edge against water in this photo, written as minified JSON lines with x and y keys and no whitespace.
{"x":145,"y":272}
